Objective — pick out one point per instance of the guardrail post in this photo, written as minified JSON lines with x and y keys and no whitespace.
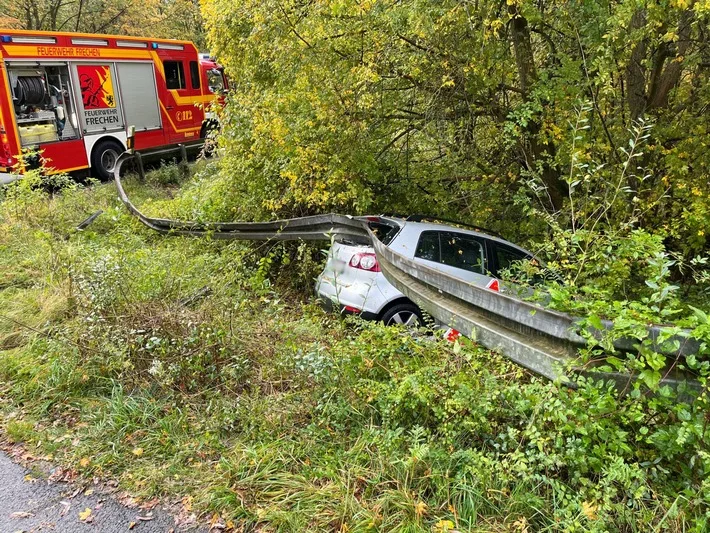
{"x":139,"y":165}
{"x":184,"y":168}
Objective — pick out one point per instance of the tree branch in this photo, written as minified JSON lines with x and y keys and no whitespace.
{"x":393,"y":141}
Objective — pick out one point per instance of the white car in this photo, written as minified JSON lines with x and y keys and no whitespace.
{"x":352,"y":282}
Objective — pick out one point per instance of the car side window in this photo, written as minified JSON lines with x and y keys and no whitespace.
{"x":507,"y":256}
{"x":428,"y":246}
{"x":215,"y":81}
{"x":462,"y":251}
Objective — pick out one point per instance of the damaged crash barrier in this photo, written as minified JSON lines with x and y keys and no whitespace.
{"x":540,"y":339}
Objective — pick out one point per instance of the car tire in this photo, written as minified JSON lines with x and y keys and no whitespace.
{"x":104,"y":157}
{"x":407,"y":314}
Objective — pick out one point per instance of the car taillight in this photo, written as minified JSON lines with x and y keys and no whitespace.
{"x":365,"y":261}
{"x":493,"y":285}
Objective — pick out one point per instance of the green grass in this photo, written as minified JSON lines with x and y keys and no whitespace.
{"x":250,"y":402}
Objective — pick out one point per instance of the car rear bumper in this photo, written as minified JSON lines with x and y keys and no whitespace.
{"x":361,"y":297}
{"x":330,"y":306}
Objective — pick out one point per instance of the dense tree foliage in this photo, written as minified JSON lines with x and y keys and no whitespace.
{"x":469,"y":109}
{"x":176,"y":19}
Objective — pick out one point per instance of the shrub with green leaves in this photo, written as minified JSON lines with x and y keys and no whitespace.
{"x":187,"y":367}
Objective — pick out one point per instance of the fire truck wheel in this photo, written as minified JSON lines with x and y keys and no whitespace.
{"x":104,"y":157}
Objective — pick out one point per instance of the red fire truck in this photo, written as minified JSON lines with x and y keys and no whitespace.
{"x":73,"y":96}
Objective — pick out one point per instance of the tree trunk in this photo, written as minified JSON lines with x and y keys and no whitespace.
{"x":664,"y":75}
{"x":663,"y":81}
{"x":636,"y":71}
{"x":525,"y":62}
{"x":527,"y":75}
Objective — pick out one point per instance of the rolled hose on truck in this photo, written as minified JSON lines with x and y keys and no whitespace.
{"x":539,"y":339}
{"x":32,"y":90}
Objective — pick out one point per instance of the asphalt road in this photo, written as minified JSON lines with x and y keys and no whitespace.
{"x":29,"y":502}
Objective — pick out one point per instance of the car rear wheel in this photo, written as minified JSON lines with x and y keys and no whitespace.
{"x":406,"y":314}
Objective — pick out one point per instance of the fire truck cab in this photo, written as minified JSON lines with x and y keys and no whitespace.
{"x":72,"y":97}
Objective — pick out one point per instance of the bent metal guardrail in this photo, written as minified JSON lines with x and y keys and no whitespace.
{"x":305,"y":228}
{"x":541,"y":340}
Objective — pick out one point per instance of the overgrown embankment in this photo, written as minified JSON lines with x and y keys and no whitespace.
{"x":179,"y":367}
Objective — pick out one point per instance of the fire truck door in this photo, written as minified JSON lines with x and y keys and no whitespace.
{"x":99,"y":101}
{"x":185,"y":119}
{"x":140,"y":102}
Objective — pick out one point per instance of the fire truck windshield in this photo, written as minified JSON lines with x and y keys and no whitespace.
{"x":215,"y":80}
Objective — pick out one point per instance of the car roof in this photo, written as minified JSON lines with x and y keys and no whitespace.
{"x":440,"y":226}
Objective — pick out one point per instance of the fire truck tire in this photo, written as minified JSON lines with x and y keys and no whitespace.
{"x":104,"y":157}
{"x":209,"y":145}
{"x":207,"y":127}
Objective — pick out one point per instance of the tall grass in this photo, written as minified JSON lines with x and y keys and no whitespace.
{"x":177,"y":367}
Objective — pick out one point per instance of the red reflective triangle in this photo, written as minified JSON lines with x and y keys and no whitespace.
{"x":452,"y":335}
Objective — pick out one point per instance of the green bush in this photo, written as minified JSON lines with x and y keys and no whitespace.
{"x":186,"y":367}
{"x":169,"y":173}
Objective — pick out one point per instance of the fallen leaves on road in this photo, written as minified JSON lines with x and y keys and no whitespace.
{"x":131,"y":525}
{"x":150,"y":504}
{"x":187,"y":503}
{"x":65,"y":508}
{"x":184,"y":515}
{"x":127,"y":500}
{"x":85,"y":516}
{"x":216,"y":523}
{"x":61,"y":475}
{"x":21,"y":514}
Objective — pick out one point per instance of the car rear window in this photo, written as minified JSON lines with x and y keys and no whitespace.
{"x":385,"y":231}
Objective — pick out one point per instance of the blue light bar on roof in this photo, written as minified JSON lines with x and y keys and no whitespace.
{"x":154,"y":45}
{"x":6,"y":39}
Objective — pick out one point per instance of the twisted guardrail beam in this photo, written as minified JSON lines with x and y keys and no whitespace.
{"x":540,"y":339}
{"x":304,"y":228}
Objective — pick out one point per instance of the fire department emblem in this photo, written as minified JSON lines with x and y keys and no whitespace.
{"x":96,"y":86}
